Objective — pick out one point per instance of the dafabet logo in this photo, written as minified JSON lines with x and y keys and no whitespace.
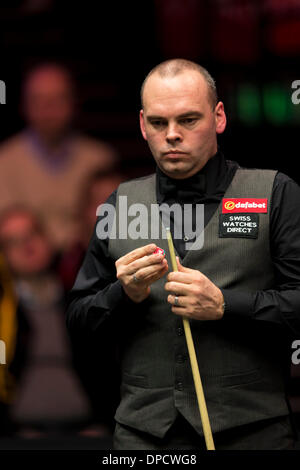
{"x":244,"y":205}
{"x":229,"y":205}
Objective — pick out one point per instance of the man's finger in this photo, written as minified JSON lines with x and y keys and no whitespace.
{"x":182,"y":301}
{"x":157,"y":276}
{"x":146,"y":274}
{"x":137,"y":253}
{"x":178,"y":287}
{"x":177,"y":276}
{"x":183,"y":268}
{"x":183,"y":312}
{"x":141,"y":263}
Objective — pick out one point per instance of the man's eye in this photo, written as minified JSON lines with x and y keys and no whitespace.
{"x":157,"y":123}
{"x":188,"y":120}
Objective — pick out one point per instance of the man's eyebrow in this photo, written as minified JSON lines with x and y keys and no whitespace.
{"x":154,"y":117}
{"x":180,"y":116}
{"x":190,"y":114}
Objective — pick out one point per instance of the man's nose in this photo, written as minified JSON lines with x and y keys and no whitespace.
{"x":173,"y":133}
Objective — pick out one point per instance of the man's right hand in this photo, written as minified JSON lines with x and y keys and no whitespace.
{"x":138,"y":269}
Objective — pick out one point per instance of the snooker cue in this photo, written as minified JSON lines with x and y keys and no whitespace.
{"x":193,"y":359}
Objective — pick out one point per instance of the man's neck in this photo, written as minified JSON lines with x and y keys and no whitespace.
{"x":51,"y":142}
{"x":55,"y":151}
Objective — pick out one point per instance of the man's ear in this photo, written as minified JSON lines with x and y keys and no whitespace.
{"x":142,"y":124}
{"x":220,"y":117}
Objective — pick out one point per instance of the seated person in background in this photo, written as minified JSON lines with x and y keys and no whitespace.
{"x":89,"y":348}
{"x":94,"y":192}
{"x":45,"y":165}
{"x":50,"y":396}
{"x":13,"y":341}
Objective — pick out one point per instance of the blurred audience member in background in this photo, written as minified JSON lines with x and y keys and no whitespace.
{"x":50,"y":395}
{"x":90,"y":349}
{"x":13,"y":335}
{"x":46,"y":164}
{"x":94,"y":192}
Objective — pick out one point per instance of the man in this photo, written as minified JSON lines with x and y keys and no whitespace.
{"x":46,"y":164}
{"x":240,"y":290}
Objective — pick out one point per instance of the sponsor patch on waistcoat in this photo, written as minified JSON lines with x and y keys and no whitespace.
{"x":234,"y":205}
{"x":238,"y":225}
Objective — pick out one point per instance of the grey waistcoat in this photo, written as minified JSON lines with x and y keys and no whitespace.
{"x":238,"y":358}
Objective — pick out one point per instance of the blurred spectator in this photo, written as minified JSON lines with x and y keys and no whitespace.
{"x":50,"y":396}
{"x":90,"y":349}
{"x":45,"y":165}
{"x":94,"y":192}
{"x":13,"y":329}
{"x":97,"y":189}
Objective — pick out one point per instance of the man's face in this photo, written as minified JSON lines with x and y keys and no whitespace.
{"x":48,"y":102}
{"x":179,"y":124}
{"x":25,"y":248}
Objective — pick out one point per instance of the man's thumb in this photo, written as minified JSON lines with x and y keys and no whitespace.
{"x":180,"y":267}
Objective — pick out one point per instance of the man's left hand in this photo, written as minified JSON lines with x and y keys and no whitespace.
{"x":198,"y":297}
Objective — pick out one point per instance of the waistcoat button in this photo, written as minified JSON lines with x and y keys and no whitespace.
{"x":180,"y":358}
{"x":179,"y":386}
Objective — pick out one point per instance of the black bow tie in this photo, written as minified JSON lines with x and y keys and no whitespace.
{"x":187,"y":190}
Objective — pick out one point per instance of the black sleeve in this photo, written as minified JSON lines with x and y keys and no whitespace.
{"x":281,"y":305}
{"x":96,"y":293}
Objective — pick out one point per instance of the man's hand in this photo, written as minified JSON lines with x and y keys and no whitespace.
{"x":198,"y":297}
{"x":138,"y":269}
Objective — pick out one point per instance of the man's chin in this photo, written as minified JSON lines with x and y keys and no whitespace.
{"x":177,"y":171}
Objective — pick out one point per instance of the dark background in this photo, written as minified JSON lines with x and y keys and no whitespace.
{"x":251,"y":47}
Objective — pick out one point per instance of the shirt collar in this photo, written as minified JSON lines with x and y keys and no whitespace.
{"x":55,"y":159}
